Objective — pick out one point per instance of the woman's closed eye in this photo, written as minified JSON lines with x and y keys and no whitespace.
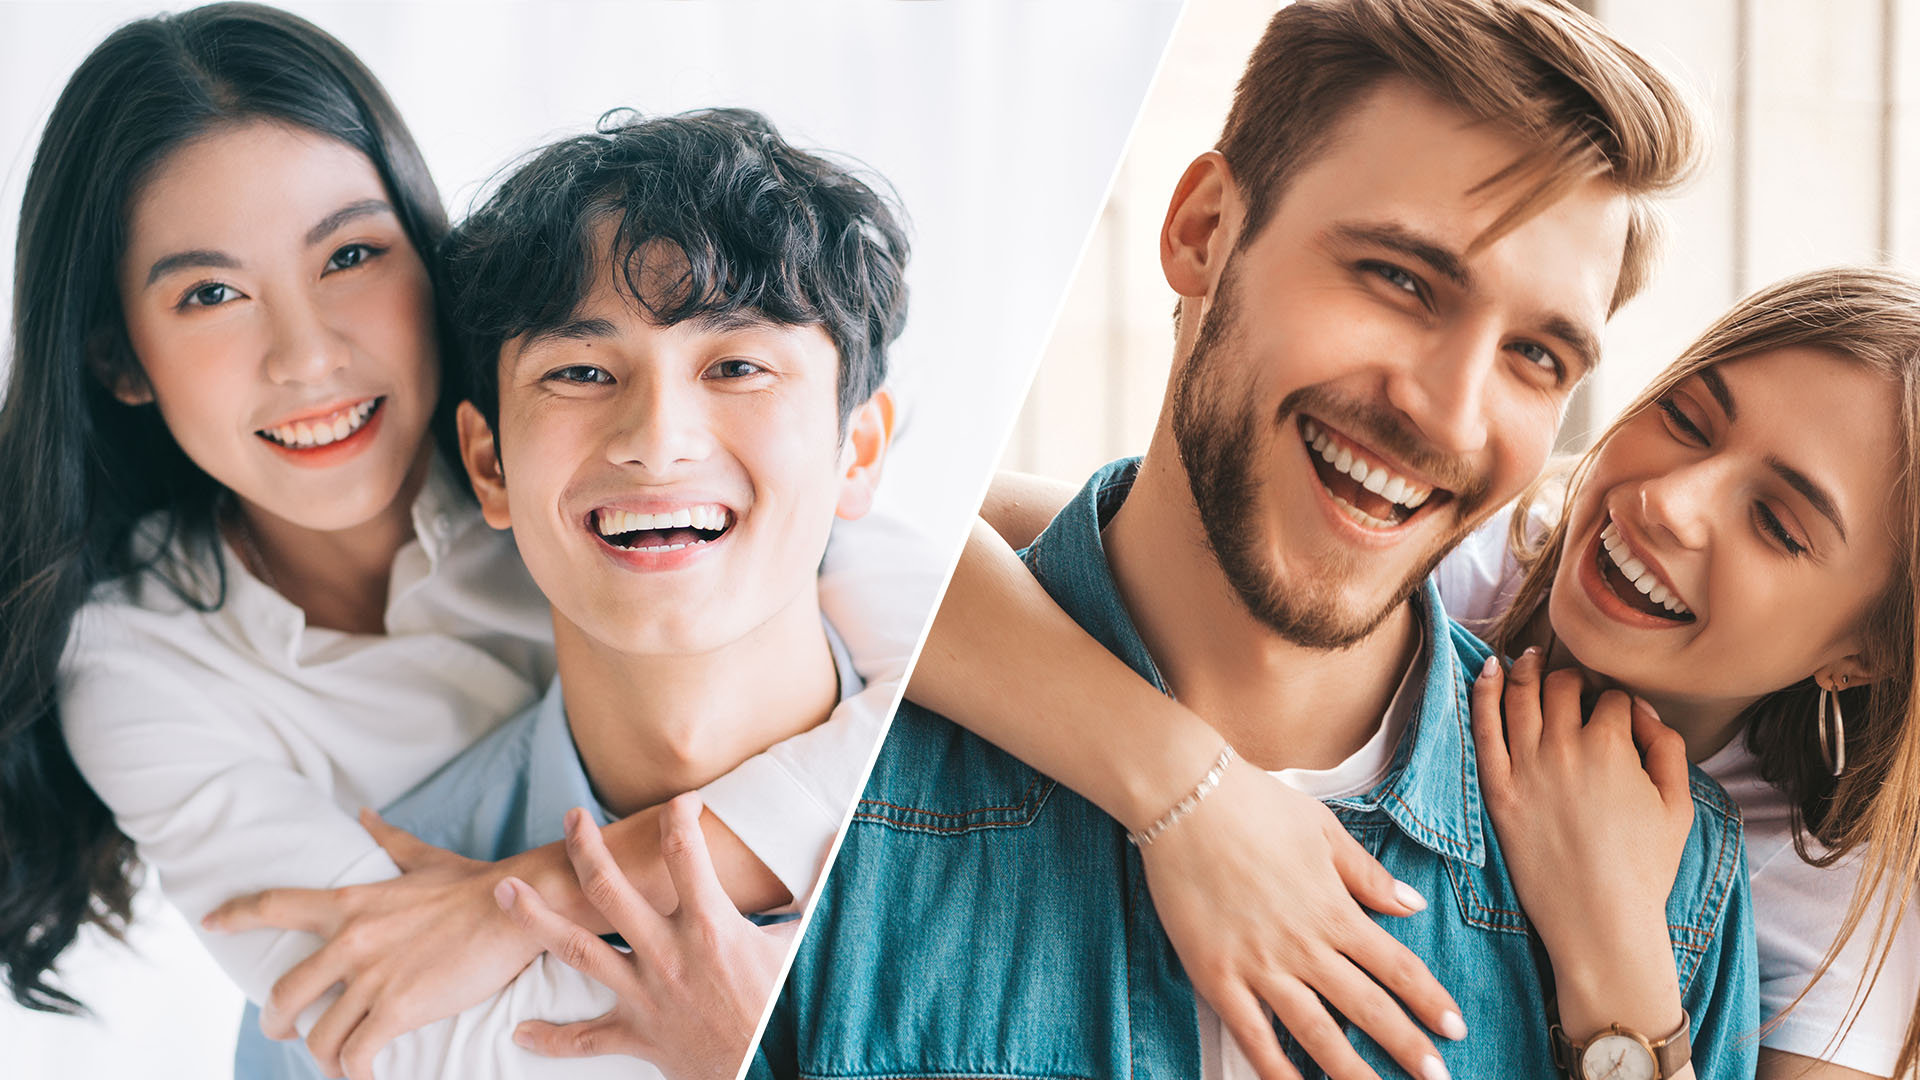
{"x":1770,"y":524}
{"x":1682,"y":424}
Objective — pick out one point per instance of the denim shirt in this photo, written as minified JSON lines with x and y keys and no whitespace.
{"x":983,"y":921}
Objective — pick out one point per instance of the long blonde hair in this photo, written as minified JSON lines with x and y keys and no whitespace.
{"x":1871,"y":316}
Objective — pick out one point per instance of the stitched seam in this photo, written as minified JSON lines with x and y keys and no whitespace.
{"x":1723,"y":887}
{"x":1477,"y":911}
{"x":1026,"y":797}
{"x":942,"y":1076}
{"x":1443,"y":840}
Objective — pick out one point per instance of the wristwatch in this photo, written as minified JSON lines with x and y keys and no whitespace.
{"x":1619,"y":1053}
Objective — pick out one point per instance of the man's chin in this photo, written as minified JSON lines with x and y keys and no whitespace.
{"x":1325,"y":606}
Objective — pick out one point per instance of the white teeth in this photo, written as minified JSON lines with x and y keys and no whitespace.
{"x":706,"y":517}
{"x":1372,"y":477}
{"x":1361,"y":516}
{"x":305,"y":434}
{"x":1637,"y":572}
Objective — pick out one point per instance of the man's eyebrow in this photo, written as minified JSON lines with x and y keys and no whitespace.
{"x":350,"y":212}
{"x":1815,"y":494}
{"x":570,"y":330}
{"x":737,"y":319}
{"x":1395,"y":237}
{"x":1716,"y":385}
{"x":199,"y":257}
{"x":1580,"y":339}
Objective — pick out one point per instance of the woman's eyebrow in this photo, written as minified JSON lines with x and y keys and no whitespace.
{"x":350,"y":212}
{"x":196,"y":259}
{"x":1815,"y":494}
{"x":1716,"y":385}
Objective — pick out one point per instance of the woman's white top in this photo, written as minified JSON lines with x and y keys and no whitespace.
{"x":236,"y":746}
{"x":1796,"y":907}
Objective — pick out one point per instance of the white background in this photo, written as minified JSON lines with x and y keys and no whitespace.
{"x":997,"y":121}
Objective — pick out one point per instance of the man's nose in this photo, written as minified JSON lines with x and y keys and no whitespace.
{"x":663,"y":424}
{"x":1442,"y":388}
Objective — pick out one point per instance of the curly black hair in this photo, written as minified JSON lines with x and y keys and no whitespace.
{"x":764,"y":228}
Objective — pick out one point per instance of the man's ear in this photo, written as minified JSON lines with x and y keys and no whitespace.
{"x":869,"y":430}
{"x":480,"y":453}
{"x":1196,"y":237}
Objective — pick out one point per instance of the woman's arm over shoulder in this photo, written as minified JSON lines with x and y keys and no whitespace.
{"x":1019,"y":505}
{"x":1003,"y":661}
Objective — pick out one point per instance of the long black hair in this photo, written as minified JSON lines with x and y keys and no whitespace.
{"x":78,"y":469}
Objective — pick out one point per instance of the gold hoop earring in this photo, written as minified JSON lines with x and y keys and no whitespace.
{"x":1833,"y":748}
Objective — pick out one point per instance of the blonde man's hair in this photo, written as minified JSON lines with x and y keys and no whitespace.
{"x":1587,"y":104}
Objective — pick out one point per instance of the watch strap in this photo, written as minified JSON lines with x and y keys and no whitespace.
{"x":1670,"y":1054}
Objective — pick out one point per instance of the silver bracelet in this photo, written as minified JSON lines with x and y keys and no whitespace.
{"x":1185,"y":806}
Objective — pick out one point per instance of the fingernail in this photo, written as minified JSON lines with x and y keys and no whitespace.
{"x":1409,"y":896}
{"x":1434,"y":1069}
{"x":208,"y":922}
{"x":503,"y":894}
{"x":1453,"y":1026}
{"x":522,"y":1039}
{"x":1645,"y":708}
{"x":1492,"y":665}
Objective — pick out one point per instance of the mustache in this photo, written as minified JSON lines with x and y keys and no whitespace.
{"x":1389,"y":432}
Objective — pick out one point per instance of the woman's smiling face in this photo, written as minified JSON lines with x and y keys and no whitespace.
{"x":1728,"y":540}
{"x":283,"y":322}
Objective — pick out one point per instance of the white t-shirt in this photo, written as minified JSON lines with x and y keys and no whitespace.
{"x":1221,"y":1057}
{"x":235,"y":746}
{"x":1796,"y":907}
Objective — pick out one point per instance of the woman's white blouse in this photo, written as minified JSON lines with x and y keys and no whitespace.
{"x":236,"y":746}
{"x":1796,"y":907}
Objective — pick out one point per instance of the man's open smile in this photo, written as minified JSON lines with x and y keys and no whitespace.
{"x":661,"y":535}
{"x":1371,"y":491}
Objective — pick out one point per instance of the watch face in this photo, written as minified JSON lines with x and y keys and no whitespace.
{"x":1617,"y":1057}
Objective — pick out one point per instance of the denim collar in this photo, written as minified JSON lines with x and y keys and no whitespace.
{"x":1432,"y":791}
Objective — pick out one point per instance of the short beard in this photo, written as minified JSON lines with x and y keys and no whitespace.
{"x":1217,"y":434}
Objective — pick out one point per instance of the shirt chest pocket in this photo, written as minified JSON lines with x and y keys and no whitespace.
{"x":933,"y":777}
